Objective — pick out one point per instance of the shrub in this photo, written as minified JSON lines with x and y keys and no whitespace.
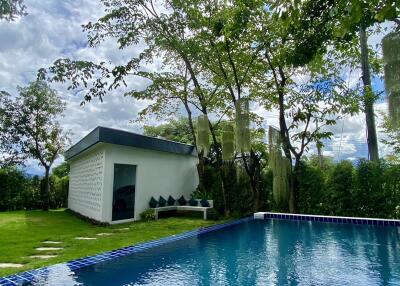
{"x":369,"y":198}
{"x":312,"y":184}
{"x":16,"y":190}
{"x":59,"y":191}
{"x":148,"y":215}
{"x":212,"y":214}
{"x":397,"y":212}
{"x":338,"y":198}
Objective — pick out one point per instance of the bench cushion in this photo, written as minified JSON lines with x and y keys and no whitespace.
{"x":153,"y":202}
{"x":204,"y":203}
{"x":171,"y":201}
{"x":182,"y":201}
{"x":162,"y":202}
{"x":193,"y":202}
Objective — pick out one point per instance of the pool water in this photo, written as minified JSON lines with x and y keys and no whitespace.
{"x":257,"y":252}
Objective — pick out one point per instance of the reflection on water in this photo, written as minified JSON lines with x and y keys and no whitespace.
{"x":257,"y":253}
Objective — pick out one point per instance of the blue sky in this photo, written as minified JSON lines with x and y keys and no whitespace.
{"x":52,"y":30}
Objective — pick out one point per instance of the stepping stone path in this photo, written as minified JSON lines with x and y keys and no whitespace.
{"x":10,"y":265}
{"x":85,"y":238}
{"x":43,"y":256}
{"x":52,"y":242}
{"x":125,"y":228}
{"x":104,"y":234}
{"x":48,"y":248}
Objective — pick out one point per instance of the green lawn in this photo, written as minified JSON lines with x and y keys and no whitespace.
{"x":23,"y":231}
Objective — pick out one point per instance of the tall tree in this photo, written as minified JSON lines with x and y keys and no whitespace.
{"x":302,"y":80}
{"x":29,"y":123}
{"x":351,"y":20}
{"x":131,"y":22}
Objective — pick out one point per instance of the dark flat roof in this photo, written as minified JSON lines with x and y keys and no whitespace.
{"x":125,"y":138}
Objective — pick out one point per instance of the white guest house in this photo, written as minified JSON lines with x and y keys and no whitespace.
{"x":114,"y":173}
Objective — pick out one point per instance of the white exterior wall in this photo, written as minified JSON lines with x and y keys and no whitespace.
{"x":157,"y":173}
{"x":87,"y":183}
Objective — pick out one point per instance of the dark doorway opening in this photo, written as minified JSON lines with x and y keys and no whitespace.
{"x":124,"y":187}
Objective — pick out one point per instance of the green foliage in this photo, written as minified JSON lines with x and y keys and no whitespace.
{"x":340,"y":190}
{"x":397,"y":212}
{"x":18,"y":191}
{"x":212,"y":214}
{"x":312,"y":184}
{"x":239,"y":195}
{"x":29,"y":126}
{"x":175,"y":130}
{"x":148,"y":215}
{"x":369,"y":195}
{"x":366,"y":189}
{"x":10,"y":10}
{"x":61,"y":170}
{"x":59,"y":187}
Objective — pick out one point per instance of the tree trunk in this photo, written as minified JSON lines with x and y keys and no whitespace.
{"x":368,"y":98}
{"x":252,"y":170}
{"x":46,"y":190}
{"x":294,"y":188}
{"x":200,"y":172}
{"x":220,"y":171}
{"x":319,"y":149}
{"x":200,"y":165}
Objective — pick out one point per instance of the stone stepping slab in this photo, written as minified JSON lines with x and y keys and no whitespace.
{"x":43,"y":256}
{"x":125,"y":228}
{"x":48,"y":248}
{"x":10,"y":265}
{"x":51,"y":242}
{"x":104,"y":234}
{"x":85,"y":238}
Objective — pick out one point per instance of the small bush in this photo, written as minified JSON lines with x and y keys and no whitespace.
{"x":148,"y":215}
{"x":397,"y":212}
{"x":212,"y":214}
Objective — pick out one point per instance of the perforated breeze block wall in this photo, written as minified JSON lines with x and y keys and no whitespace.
{"x":86,"y":184}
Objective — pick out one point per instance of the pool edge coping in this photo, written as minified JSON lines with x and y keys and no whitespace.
{"x":329,"y":219}
{"x":30,"y":276}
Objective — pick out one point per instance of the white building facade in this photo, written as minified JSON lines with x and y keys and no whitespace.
{"x":114,"y":173}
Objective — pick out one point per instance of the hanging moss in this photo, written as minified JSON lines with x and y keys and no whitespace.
{"x":242,"y":121}
{"x":203,"y":134}
{"x":228,"y":145}
{"x":394,"y":109}
{"x":280,"y":167}
{"x":390,"y":47}
{"x":392,"y":78}
{"x":391,"y":57}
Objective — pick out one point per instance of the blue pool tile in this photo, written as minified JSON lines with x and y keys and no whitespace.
{"x":5,"y":282}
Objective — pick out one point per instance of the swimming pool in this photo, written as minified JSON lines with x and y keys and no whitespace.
{"x":254,"y":252}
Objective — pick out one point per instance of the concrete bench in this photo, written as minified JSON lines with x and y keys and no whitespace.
{"x":176,"y":207}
